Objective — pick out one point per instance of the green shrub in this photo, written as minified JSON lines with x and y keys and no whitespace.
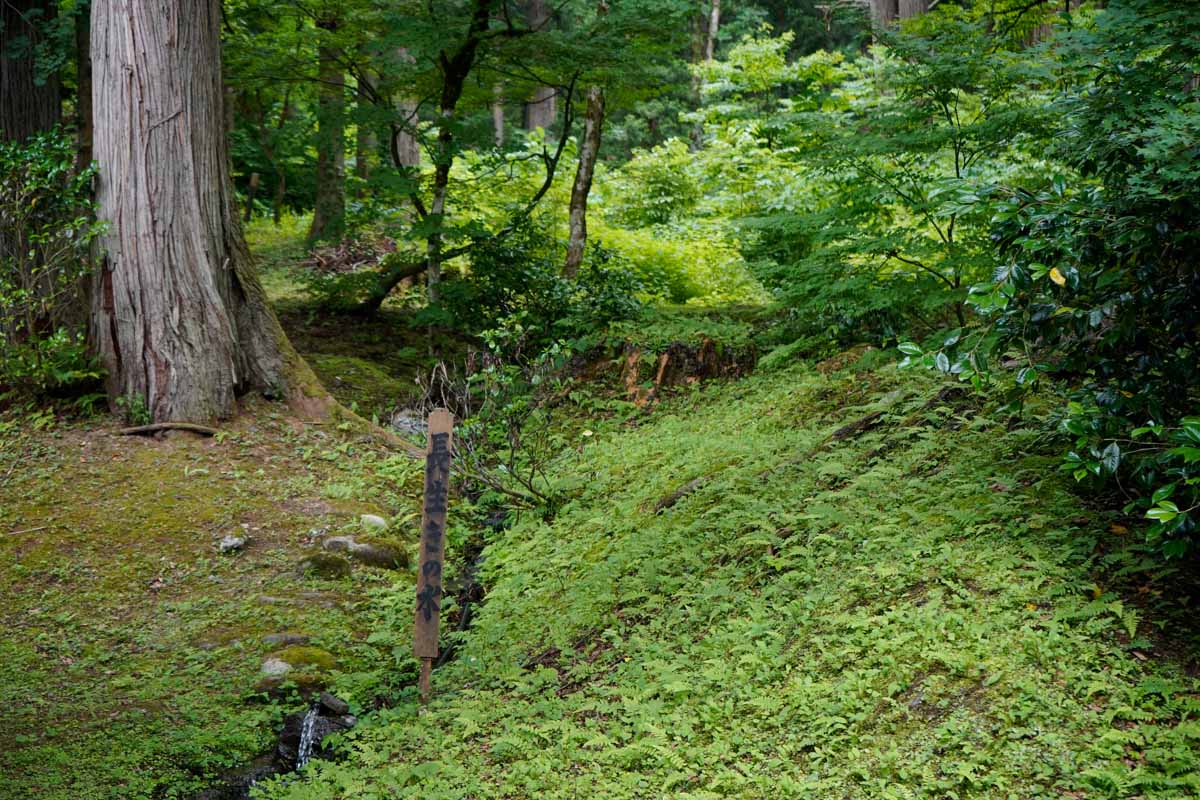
{"x":519,"y":277}
{"x":1099,"y":285}
{"x":655,"y":187}
{"x":46,"y":227}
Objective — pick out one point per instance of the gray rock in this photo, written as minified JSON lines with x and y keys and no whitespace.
{"x":333,"y":706}
{"x":409,"y":421}
{"x":370,"y":553}
{"x":232,"y":543}
{"x":338,"y":544}
{"x":325,"y":565}
{"x":324,"y":724}
{"x":373,"y":522}
{"x":275,"y":667}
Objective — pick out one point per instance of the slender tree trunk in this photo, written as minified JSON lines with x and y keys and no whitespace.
{"x":268,"y":145}
{"x":714,"y":23}
{"x":498,"y":114}
{"x":179,"y":316}
{"x":27,"y":105}
{"x":455,"y":67}
{"x":906,"y":9}
{"x":365,"y":141}
{"x":83,"y":67}
{"x":704,"y":47}
{"x":542,"y":109}
{"x":251,"y":190}
{"x":329,"y":211}
{"x":277,"y":204}
{"x":589,"y":149}
{"x":406,"y":148}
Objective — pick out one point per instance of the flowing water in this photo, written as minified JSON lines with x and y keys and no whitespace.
{"x":306,"y":737}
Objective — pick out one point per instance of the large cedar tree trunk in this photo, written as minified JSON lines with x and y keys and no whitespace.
{"x":911,"y":8}
{"x":179,"y":316}
{"x":27,"y":107}
{"x":329,"y":211}
{"x":589,"y":149}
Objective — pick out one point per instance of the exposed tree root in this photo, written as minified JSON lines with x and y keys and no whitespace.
{"x":143,"y":430}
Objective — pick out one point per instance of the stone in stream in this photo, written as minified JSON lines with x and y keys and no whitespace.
{"x":333,"y":705}
{"x":302,"y":666}
{"x":326,"y":721}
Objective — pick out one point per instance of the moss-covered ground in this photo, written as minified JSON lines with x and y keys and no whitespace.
{"x":817,"y":583}
{"x":131,"y":649}
{"x":831,"y":580}
{"x":129,"y":664}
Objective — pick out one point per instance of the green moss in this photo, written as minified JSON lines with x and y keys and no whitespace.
{"x":300,"y":655}
{"x":326,"y":566}
{"x":131,"y":644}
{"x":397,"y":551}
{"x":906,"y":612}
{"x":359,"y":383}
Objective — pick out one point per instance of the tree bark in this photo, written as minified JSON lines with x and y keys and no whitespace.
{"x":542,"y":109}
{"x":406,"y":148}
{"x":704,"y":47}
{"x":498,"y":114}
{"x":329,"y":211}
{"x":179,"y":317}
{"x":884,"y":13}
{"x":27,"y":106}
{"x":589,"y":149}
{"x":906,"y":9}
{"x":714,"y":22}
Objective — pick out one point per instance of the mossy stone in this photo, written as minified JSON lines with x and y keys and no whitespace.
{"x":385,"y":551}
{"x":325,"y":565}
{"x":301,"y":655}
{"x":374,"y":551}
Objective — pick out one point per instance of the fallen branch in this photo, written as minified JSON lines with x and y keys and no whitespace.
{"x":142,"y":430}
{"x":674,"y":497}
{"x":28,"y":530}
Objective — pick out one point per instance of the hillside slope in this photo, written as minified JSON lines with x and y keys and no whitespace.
{"x":850,"y":585}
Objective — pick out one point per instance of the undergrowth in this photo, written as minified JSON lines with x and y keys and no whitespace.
{"x":804,"y":584}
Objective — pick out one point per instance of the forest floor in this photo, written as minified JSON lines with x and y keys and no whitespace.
{"x":830,"y":579}
{"x":130,"y":665}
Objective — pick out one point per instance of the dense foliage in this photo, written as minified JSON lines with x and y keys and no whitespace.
{"x":825,"y":382}
{"x":741,"y":598}
{"x":46,"y":227}
{"x":1097,"y":280}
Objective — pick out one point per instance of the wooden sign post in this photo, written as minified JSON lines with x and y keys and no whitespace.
{"x":433,"y":535}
